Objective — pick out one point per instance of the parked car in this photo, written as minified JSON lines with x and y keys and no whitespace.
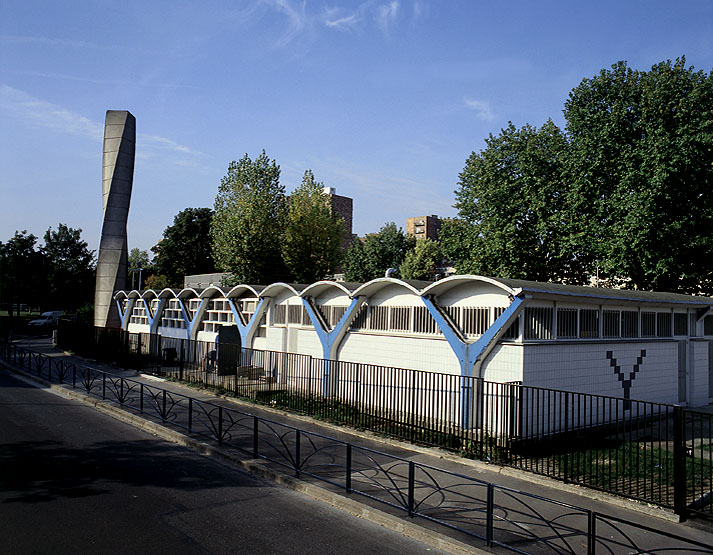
{"x":46,"y":322}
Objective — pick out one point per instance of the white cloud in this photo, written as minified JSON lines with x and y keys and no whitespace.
{"x":480,"y":107}
{"x":37,"y":113}
{"x":386,"y":14}
{"x":40,"y":113}
{"x":297,"y":18}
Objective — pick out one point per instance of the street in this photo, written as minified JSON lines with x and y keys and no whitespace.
{"x":75,"y":481}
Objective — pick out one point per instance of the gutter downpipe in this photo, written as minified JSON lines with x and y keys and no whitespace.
{"x":331,"y":340}
{"x":471,"y":355}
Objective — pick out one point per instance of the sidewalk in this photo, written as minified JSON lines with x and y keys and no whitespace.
{"x":510,"y":478}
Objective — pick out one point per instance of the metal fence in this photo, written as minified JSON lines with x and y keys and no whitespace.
{"x":657,"y":453}
{"x":499,"y":516}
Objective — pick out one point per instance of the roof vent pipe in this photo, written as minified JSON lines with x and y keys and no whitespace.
{"x":390,"y":271}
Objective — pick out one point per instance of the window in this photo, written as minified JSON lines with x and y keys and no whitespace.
{"x":648,"y":324}
{"x":566,"y":323}
{"x":629,"y":323}
{"x":279,"y":314}
{"x":476,"y":321}
{"x":588,"y":323}
{"x":423,"y":322}
{"x":400,"y":318}
{"x":663,"y":324}
{"x":680,"y":324}
{"x":538,"y":322}
{"x":610,"y":323}
{"x":708,"y":325}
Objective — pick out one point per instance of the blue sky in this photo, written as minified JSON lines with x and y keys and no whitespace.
{"x":382,"y":99}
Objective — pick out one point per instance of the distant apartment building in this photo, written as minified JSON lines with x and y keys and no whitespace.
{"x":343,"y":207}
{"x":423,"y":227}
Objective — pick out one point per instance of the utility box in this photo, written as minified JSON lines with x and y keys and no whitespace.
{"x":229,"y":348}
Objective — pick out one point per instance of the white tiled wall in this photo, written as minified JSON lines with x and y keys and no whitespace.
{"x":503,"y":364}
{"x":699,"y":375}
{"x":584,"y":367}
{"x":432,"y":354}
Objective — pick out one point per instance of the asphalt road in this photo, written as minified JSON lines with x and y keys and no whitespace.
{"x":75,"y":481}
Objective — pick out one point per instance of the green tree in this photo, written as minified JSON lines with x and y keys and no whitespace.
{"x":456,"y":238}
{"x":422,"y":261}
{"x":354,"y":263}
{"x":70,"y":268}
{"x":156,"y":282}
{"x":641,"y":167}
{"x":186,"y":247}
{"x":311,"y":245}
{"x":21,"y":271}
{"x":511,"y":201}
{"x":139,"y":259}
{"x":248,"y":221}
{"x":379,"y":252}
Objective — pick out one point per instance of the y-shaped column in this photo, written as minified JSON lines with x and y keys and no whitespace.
{"x":332,"y":339}
{"x":472,"y":355}
{"x":247,"y":329}
{"x":125,"y":315}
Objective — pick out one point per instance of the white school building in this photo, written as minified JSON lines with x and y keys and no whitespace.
{"x":621,"y":343}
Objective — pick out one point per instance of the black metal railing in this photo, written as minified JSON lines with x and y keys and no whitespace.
{"x":499,"y":516}
{"x":653,"y":452}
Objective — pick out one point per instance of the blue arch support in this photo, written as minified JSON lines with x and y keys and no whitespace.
{"x":247,"y":329}
{"x":470,"y":354}
{"x":191,"y":324}
{"x":155,"y":318}
{"x":125,"y":314}
{"x":331,"y":339}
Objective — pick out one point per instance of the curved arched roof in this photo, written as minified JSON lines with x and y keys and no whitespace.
{"x":318,"y":288}
{"x":239,"y":290}
{"x":275,"y":289}
{"x":443,"y":285}
{"x":371,"y":288}
{"x":188,"y":293}
{"x":213,"y":291}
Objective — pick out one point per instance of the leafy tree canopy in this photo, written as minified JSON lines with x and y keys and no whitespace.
{"x":247,"y":224}
{"x":311,"y":245}
{"x":379,"y":252}
{"x":139,"y":258}
{"x":186,"y":247}
{"x":625,"y":190}
{"x":70,"y":267}
{"x":641,"y":167}
{"x":512,"y":195}
{"x":422,"y":261}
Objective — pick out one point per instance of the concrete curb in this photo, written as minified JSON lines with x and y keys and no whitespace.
{"x":257,"y":468}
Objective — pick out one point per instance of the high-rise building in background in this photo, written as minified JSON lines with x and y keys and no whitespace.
{"x":423,"y":227}
{"x":344,"y":207}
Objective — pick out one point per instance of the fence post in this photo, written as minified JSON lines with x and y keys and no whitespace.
{"x":679,"y":461}
{"x":566,"y":433}
{"x":411,"y":487}
{"x":180,"y":361}
{"x":591,"y":533}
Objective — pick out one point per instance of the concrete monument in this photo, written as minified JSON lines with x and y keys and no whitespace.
{"x":117,"y":180}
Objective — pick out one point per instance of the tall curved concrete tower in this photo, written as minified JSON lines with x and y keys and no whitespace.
{"x":117,"y":180}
